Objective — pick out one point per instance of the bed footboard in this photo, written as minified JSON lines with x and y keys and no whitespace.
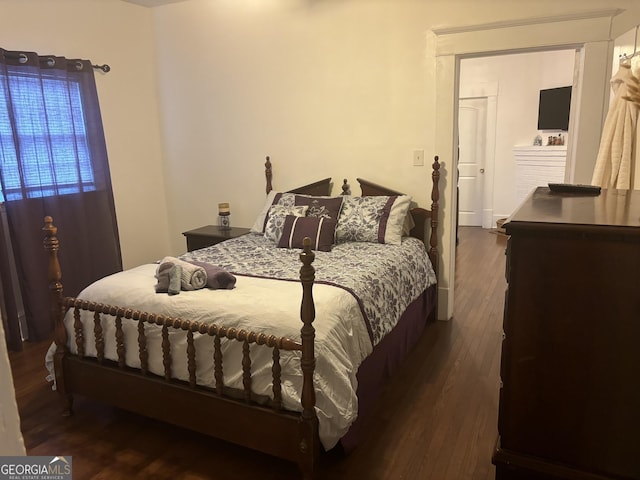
{"x":229,"y":414}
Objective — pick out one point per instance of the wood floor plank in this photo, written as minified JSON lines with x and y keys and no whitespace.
{"x":436,"y":420}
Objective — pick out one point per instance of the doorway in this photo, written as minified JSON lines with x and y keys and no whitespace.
{"x":591,"y":34}
{"x":498,"y":98}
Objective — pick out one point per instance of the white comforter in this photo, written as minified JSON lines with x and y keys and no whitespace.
{"x":342,"y":341}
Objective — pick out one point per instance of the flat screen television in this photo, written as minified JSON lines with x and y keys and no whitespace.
{"x":553,"y":109}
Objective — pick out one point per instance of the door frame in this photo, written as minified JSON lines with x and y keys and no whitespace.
{"x":592,"y":31}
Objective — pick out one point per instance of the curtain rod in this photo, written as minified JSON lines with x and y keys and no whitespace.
{"x":22,"y":58}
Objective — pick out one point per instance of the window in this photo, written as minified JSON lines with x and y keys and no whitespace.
{"x":44,"y":148}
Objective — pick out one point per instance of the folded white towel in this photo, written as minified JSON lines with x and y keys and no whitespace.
{"x":193,"y":276}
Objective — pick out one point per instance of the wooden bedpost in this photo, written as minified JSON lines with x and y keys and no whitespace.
{"x":268,"y":174}
{"x":57,"y":310}
{"x":309,"y":440}
{"x":435,"y":197}
{"x":346,"y":188}
{"x":433,"y":238}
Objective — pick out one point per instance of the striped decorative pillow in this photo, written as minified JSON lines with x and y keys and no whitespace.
{"x":320,"y":230}
{"x":276,"y":218}
{"x":377,"y":219}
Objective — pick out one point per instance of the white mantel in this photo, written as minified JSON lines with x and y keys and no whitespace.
{"x":538,"y":166}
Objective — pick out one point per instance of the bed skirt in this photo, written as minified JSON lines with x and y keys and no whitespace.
{"x":379,"y":367}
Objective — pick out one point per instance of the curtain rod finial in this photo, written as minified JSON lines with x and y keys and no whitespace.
{"x":105,"y":68}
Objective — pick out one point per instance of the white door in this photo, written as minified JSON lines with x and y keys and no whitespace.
{"x":472,"y":127}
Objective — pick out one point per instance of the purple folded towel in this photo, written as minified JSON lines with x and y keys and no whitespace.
{"x":217,"y":277}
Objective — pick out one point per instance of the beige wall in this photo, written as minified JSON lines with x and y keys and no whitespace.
{"x":120,"y":35}
{"x":202,"y":90}
{"x":340,"y":89}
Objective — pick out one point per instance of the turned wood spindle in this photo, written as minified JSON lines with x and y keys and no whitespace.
{"x":435,"y":197}
{"x":276,"y":371}
{"x":166,"y":352}
{"x":99,"y":340}
{"x":268,"y":174}
{"x":191,"y":358}
{"x":78,"y":331}
{"x":217,"y":365}
{"x":246,"y":371}
{"x":120,"y":348}
{"x":308,"y":447}
{"x":57,"y":309}
{"x":307,"y":332}
{"x":142,"y":348}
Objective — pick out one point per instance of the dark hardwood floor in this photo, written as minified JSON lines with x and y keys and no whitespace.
{"x":437,"y":419}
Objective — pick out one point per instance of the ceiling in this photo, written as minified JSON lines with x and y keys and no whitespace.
{"x":152,"y":3}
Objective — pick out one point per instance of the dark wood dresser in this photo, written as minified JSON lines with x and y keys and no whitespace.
{"x":570,"y":371}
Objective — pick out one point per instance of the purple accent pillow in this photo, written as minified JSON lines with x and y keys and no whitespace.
{"x":323,"y":207}
{"x":319,"y":230}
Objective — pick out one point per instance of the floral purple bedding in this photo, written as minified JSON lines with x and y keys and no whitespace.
{"x":383,"y":278}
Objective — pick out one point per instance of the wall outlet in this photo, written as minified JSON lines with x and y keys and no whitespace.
{"x":418,"y":158}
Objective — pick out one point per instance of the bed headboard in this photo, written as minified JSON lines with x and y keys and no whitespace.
{"x":425,"y":221}
{"x":319,"y":188}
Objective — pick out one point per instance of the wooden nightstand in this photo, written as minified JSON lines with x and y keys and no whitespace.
{"x":210,"y":235}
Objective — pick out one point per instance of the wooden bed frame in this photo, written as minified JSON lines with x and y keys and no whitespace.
{"x":268,"y":428}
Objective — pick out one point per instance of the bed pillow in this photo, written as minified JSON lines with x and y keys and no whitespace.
{"x":276,"y":217}
{"x":320,"y":230}
{"x":273,"y":198}
{"x":319,"y":206}
{"x":408,"y":224}
{"x":377,"y":219}
{"x":258,"y":225}
{"x":323,"y":207}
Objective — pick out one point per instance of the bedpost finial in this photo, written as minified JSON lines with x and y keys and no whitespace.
{"x":307,"y":256}
{"x":49,"y":228}
{"x":268,"y":174}
{"x":346,"y":188}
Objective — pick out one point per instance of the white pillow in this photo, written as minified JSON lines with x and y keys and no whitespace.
{"x":258,"y":225}
{"x":397,"y":220}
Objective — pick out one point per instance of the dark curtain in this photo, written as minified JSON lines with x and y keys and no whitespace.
{"x":53,"y":162}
